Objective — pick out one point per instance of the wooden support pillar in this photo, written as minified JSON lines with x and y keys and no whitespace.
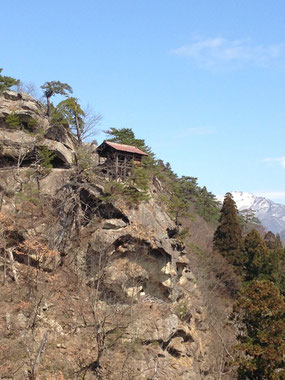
{"x":116,"y":165}
{"x":125,"y":167}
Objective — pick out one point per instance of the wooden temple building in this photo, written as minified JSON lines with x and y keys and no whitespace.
{"x":118,"y":159}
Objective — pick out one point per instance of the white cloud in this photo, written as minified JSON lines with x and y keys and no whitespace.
{"x":215,"y":52}
{"x":195,"y":131}
{"x":277,"y":160}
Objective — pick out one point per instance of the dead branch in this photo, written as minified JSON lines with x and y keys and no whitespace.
{"x":34,"y":371}
{"x":12,"y":262}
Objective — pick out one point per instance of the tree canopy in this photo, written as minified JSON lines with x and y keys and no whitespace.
{"x":257,"y":256}
{"x":7,"y":82}
{"x":127,"y":136}
{"x":74,"y":115}
{"x":55,"y":88}
{"x":260,"y":311}
{"x":228,"y":237}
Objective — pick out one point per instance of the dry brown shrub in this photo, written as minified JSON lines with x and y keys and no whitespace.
{"x":36,"y":248}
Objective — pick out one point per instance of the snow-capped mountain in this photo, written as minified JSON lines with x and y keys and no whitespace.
{"x":271,"y":214}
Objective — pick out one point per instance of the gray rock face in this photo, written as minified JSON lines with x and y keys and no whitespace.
{"x":62,"y":135}
{"x":23,"y":105}
{"x":20,"y":146}
{"x":141,"y":270}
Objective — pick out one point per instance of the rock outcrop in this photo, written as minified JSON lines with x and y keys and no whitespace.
{"x":19,"y":144}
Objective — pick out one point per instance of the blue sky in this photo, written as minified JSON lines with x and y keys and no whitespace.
{"x":201,"y":81}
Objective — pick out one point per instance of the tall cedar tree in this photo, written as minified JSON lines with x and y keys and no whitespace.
{"x":277,"y":259}
{"x":257,"y":256}
{"x":273,"y":241}
{"x":228,"y":237}
{"x":260,"y":313}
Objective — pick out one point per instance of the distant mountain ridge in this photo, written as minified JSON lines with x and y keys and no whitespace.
{"x":271,"y":214}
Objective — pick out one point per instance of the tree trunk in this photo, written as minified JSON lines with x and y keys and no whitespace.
{"x":48,"y":107}
{"x":78,"y":132}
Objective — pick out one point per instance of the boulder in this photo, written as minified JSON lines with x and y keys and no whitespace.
{"x":23,"y":105}
{"x":114,"y":224}
{"x":61,"y":134}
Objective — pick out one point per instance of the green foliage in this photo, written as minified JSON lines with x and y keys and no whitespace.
{"x":276,"y":261}
{"x":177,"y":204}
{"x":71,"y":111}
{"x":228,"y":237}
{"x":7,"y":82}
{"x":140,"y":178}
{"x":127,"y":136}
{"x":265,"y":258}
{"x":183,"y":312}
{"x":249,"y":217}
{"x":188,"y":191}
{"x":13,"y":120}
{"x":29,"y":194}
{"x":205,"y":202}
{"x":133,"y":195}
{"x":134,"y":191}
{"x":55,"y":88}
{"x":84,"y":164}
{"x":273,"y":242}
{"x":32,"y":125}
{"x":260,"y":313}
{"x":57,"y":118}
{"x":257,"y":256}
{"x":46,"y":156}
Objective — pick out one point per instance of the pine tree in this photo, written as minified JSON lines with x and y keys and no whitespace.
{"x":7,"y":82}
{"x":55,"y":88}
{"x":127,"y":136}
{"x":228,"y":237}
{"x":74,"y":115}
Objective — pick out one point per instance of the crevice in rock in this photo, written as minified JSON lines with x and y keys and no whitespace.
{"x":108,"y":211}
{"x":94,"y":207}
{"x":172,"y":232}
{"x":160,"y":254}
{"x":29,"y":160}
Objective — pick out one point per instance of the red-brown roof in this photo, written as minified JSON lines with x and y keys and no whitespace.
{"x":125,"y":148}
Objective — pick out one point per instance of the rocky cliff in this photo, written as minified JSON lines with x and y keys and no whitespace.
{"x":93,"y":287}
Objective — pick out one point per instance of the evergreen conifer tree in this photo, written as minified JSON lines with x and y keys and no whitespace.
{"x":55,"y":88}
{"x":257,"y":256}
{"x":7,"y":82}
{"x":127,"y":136}
{"x":228,"y":237}
{"x":74,"y":115}
{"x":276,"y":260}
{"x":273,"y":241}
{"x":260,"y":313}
